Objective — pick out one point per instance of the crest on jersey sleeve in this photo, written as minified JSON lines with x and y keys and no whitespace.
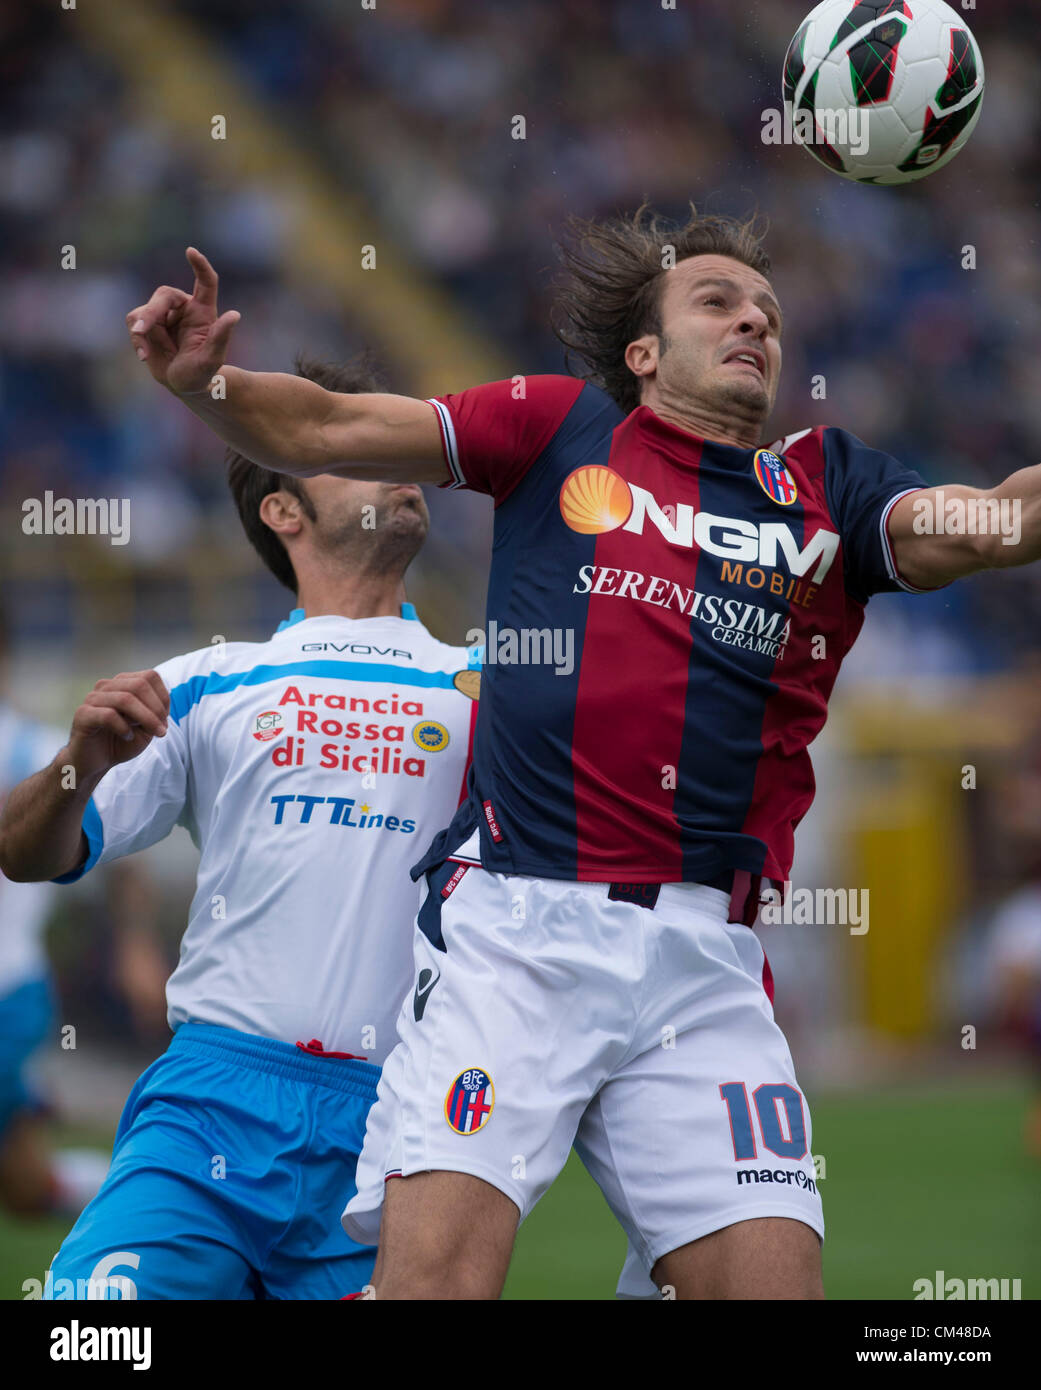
{"x":773,"y":477}
{"x":470,"y":1101}
{"x":469,"y":682}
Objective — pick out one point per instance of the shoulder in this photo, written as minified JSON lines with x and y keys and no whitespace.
{"x":523,"y":398}
{"x":187,"y":676}
{"x":461,"y":665}
{"x":442,"y":656}
{"x":219,"y":657}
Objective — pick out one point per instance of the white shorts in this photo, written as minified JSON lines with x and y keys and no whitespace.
{"x":546,"y":1014}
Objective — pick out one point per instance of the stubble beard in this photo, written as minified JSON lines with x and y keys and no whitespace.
{"x":392,"y":543}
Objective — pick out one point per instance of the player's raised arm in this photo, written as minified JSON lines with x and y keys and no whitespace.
{"x":944,"y":533}
{"x":281,"y":422}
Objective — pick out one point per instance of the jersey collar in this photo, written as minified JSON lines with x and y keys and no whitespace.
{"x":298,"y":615}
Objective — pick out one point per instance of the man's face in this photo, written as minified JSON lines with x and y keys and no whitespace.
{"x":716,"y":314}
{"x":371,"y":526}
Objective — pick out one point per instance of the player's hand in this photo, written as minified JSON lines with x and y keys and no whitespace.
{"x":179,"y":336}
{"x":117,"y":721}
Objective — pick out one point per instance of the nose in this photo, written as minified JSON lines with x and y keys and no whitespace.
{"x":754,"y":322}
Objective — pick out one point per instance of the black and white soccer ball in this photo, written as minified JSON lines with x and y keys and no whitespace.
{"x":883,"y":91}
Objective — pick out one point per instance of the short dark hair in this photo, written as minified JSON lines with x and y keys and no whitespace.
{"x":250,"y":483}
{"x":610,"y":291}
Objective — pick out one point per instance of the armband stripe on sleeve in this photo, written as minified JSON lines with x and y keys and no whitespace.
{"x":95,"y":834}
{"x":887,"y":544}
{"x":451,"y":446}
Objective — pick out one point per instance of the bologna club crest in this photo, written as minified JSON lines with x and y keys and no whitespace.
{"x":470,"y":1101}
{"x":773,"y":477}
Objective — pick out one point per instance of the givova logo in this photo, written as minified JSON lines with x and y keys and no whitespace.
{"x":595,"y":499}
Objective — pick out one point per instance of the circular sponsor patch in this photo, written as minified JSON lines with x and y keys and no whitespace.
{"x":469,"y":682}
{"x":430,"y":736}
{"x":470,"y":1101}
{"x":267,"y":725}
{"x":595,"y":499}
{"x":773,"y":477}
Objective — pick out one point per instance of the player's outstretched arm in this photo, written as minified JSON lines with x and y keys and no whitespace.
{"x":945,"y":533}
{"x":41,"y":835}
{"x":281,"y":422}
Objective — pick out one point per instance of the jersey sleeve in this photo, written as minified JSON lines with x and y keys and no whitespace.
{"x":863,"y":486}
{"x":139,"y":802}
{"x":492,"y":434}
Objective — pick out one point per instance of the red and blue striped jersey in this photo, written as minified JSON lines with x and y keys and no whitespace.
{"x":707,"y":596}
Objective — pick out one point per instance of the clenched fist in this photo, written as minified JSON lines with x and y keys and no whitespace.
{"x":117,"y":721}
{"x":179,"y":335}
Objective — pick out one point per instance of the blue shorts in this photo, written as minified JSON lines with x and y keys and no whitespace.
{"x":26,"y":1014}
{"x":233,"y":1160}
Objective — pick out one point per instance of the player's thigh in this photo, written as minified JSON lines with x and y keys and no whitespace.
{"x":313,"y":1258}
{"x":444,"y":1236}
{"x":495,"y":1064}
{"x":166,"y":1235}
{"x":771,"y":1257}
{"x":190,"y":1199}
{"x":706,"y":1130}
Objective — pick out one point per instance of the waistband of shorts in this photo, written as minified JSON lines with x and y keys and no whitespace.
{"x":710,"y":896}
{"x":736,"y":892}
{"x":277,"y":1058}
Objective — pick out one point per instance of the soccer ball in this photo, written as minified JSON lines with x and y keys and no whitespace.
{"x":883,"y":91}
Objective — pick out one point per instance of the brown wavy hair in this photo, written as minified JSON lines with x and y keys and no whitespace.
{"x":609,"y":292}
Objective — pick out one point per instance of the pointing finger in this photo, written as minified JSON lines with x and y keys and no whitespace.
{"x":205,"y":288}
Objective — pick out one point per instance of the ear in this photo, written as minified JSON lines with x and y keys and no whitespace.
{"x":282,"y":512}
{"x":641,"y":356}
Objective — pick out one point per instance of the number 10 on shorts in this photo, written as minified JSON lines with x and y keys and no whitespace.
{"x":770,"y":1101}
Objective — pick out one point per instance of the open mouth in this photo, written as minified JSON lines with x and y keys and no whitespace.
{"x":748,"y":358}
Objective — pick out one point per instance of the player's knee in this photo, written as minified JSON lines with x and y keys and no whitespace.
{"x":438,"y":1281}
{"x":433,"y":1266}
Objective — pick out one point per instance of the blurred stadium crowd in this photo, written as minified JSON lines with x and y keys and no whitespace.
{"x":409,"y":107}
{"x":409,"y":110}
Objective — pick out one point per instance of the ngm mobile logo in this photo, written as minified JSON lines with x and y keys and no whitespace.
{"x":595,"y":499}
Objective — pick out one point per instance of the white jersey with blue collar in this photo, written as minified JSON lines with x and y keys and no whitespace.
{"x":311,"y":770}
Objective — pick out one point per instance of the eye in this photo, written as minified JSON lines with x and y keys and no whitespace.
{"x":716,"y":299}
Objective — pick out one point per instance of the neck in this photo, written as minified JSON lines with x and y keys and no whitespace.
{"x":707,"y":423}
{"x":352,"y":596}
